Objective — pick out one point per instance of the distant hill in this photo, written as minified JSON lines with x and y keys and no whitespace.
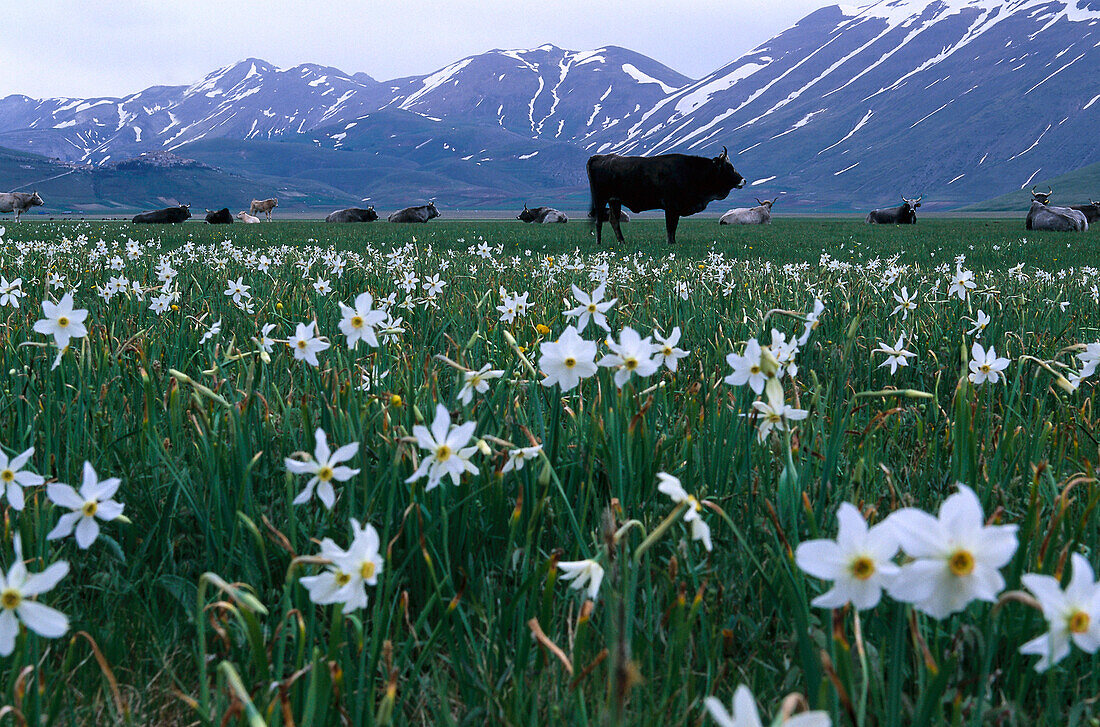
{"x":850,"y":108}
{"x":1078,"y":187}
{"x":141,"y":184}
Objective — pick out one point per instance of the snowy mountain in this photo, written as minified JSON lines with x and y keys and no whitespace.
{"x":548,"y":93}
{"x":960,"y":100}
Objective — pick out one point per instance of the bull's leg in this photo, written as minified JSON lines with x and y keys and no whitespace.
{"x":616,"y":215}
{"x":599,"y":227}
{"x":671,"y":220}
{"x":17,"y":213}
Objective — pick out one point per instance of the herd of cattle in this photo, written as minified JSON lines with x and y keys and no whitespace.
{"x":678,"y":184}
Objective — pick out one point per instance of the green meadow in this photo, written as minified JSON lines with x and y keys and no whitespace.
{"x":190,"y":610}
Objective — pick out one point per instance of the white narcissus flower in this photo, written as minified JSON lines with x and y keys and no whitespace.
{"x":1072,"y":614}
{"x":306,"y":344}
{"x":447,"y":445}
{"x":667,"y":352}
{"x":631,"y":355}
{"x":583,"y":573}
{"x":91,"y":503}
{"x":744,"y":713}
{"x":517,"y":458}
{"x":325,"y":467}
{"x":16,"y":590}
{"x":477,"y":381}
{"x":906,"y":303}
{"x":672,"y":487}
{"x":962,"y":284}
{"x":859,"y":561}
{"x":956,"y":557}
{"x":215,"y":330}
{"x":813,"y":320}
{"x":591,"y":307}
{"x":567,"y":360}
{"x":748,"y":368}
{"x":350,"y":572}
{"x":980,"y":323}
{"x":896,"y":355}
{"x":13,"y":478}
{"x":985,"y":365}
{"x":61,"y":321}
{"x":775,"y":413}
{"x":360,"y":322}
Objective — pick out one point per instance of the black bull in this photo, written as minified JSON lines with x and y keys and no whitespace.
{"x":679,"y":184}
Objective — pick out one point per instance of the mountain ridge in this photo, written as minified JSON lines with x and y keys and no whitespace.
{"x":962,"y":100}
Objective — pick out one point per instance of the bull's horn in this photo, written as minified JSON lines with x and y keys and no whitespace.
{"x":920,"y":198}
{"x":758,"y":201}
{"x":724,"y":155}
{"x":775,"y":200}
{"x":524,"y":206}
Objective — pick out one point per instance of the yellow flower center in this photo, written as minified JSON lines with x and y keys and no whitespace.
{"x":357,"y":322}
{"x":862,"y":568}
{"x":443,"y":453}
{"x":694,"y":504}
{"x":367,"y":570}
{"x":325,"y":473}
{"x":985,"y":368}
{"x":90,"y":508}
{"x":10,"y":598}
{"x":1078,"y":622}
{"x":63,"y":321}
{"x":591,"y":307}
{"x":961,"y":563}
{"x":570,"y":362}
{"x":301,"y":343}
{"x":342,"y":578}
{"x":667,"y":351}
{"x":754,"y":370}
{"x":7,"y":475}
{"x":630,"y":364}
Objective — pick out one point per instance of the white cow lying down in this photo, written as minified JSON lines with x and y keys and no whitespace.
{"x":247,"y":218}
{"x":761,"y":215}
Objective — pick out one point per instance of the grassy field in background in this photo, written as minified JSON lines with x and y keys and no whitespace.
{"x":192,"y":611}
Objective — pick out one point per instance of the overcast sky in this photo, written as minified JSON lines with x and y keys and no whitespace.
{"x":116,"y":47}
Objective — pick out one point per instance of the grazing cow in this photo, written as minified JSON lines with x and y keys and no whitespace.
{"x":353,"y":214}
{"x":904,"y":215}
{"x":221,"y":217}
{"x":263,"y":205}
{"x":1091,"y":211}
{"x":679,"y":184}
{"x":19,"y":202}
{"x":247,"y":218}
{"x":166,"y":216}
{"x":761,"y":215}
{"x":1044,"y":216}
{"x":542,"y":215}
{"x":423,"y":213}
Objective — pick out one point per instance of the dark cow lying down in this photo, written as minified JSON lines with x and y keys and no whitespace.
{"x":221,"y":217}
{"x":679,"y":184}
{"x":353,"y":214}
{"x":166,"y":216}
{"x":542,"y":215}
{"x":423,"y":213}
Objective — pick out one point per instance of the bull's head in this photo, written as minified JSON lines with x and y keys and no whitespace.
{"x":728,"y":176}
{"x":36,"y":201}
{"x":765,"y":203}
{"x":1042,"y":197}
{"x":912,"y":203}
